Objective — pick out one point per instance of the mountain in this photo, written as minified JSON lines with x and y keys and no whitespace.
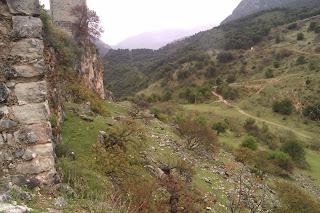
{"x":103,"y":47}
{"x":156,"y":40}
{"x":249,"y":7}
{"x":130,"y":71}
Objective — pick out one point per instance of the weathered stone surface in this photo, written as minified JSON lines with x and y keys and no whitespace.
{"x":34,"y":92}
{"x":7,"y":124}
{"x":35,"y":166}
{"x":9,"y":72}
{"x":26,"y":27}
{"x":10,"y":208}
{"x":31,"y":113}
{"x":28,"y":49}
{"x":43,"y":150}
{"x":4,"y":92}
{"x":4,"y":111}
{"x":27,"y":7}
{"x":29,"y":71}
{"x":34,"y":134}
{"x":29,"y":155}
{"x":24,"y":181}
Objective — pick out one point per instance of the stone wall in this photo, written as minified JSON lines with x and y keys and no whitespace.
{"x":61,"y":12}
{"x":26,"y":148}
{"x":90,"y":66}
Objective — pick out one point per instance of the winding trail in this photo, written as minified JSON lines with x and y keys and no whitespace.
{"x":222,"y":100}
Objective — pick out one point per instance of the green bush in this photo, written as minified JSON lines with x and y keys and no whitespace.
{"x":269,"y":73}
{"x":281,"y":159}
{"x":284,"y":107}
{"x":312,"y":112}
{"x":227,"y":92}
{"x":295,"y":200}
{"x":293,"y":26}
{"x":225,"y":57}
{"x":300,"y":36}
{"x":301,"y":60}
{"x":293,"y":148}
{"x":250,"y":143}
{"x":312,"y":26}
{"x":220,"y":127}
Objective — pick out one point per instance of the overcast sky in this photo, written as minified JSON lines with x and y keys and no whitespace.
{"x":125,"y":18}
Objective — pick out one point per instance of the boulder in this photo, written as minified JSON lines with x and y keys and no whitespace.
{"x":28,"y":49}
{"x":33,"y":92}
{"x":25,"y":7}
{"x":4,"y":92}
{"x":26,"y":27}
{"x":10,"y":208}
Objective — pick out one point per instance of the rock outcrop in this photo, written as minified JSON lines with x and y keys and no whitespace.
{"x":26,"y":148}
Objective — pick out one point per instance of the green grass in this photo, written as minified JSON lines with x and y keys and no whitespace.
{"x":313,"y":158}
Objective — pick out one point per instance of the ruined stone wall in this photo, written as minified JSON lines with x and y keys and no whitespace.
{"x":61,"y":12}
{"x":26,"y":148}
{"x":90,"y":66}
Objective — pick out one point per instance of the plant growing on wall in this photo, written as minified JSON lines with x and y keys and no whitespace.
{"x":88,"y":24}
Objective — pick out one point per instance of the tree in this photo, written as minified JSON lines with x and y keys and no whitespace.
{"x":88,"y":24}
{"x":312,"y":112}
{"x":284,"y":107}
{"x":294,"y":149}
{"x":219,"y":127}
{"x":225,"y":57}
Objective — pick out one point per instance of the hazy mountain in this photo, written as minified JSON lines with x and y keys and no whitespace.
{"x":155,"y":40}
{"x":103,"y":47}
{"x":249,"y":7}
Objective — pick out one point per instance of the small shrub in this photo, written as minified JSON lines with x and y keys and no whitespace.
{"x":269,"y":73}
{"x":301,"y":60}
{"x":293,"y":26}
{"x":300,"y":36}
{"x":197,"y":135}
{"x":295,"y":200}
{"x":155,"y":112}
{"x":296,"y":151}
{"x":225,"y":57}
{"x":228,"y":92}
{"x":231,"y":79}
{"x":317,"y":30}
{"x":282,"y":160}
{"x":312,"y":112}
{"x":312,"y":26}
{"x":250,"y":143}
{"x":220,"y":127}
{"x":284,"y":107}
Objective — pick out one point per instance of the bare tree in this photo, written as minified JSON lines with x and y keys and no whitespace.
{"x":88,"y":23}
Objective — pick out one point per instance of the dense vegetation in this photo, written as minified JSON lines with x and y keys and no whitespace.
{"x":127,"y":71}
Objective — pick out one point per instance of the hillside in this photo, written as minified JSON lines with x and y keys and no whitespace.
{"x":146,"y":66}
{"x":250,"y":7}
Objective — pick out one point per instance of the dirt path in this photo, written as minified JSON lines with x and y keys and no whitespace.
{"x":222,"y":100}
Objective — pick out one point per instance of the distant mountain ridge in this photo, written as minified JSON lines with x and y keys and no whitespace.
{"x":158,"y":39}
{"x":249,"y":7}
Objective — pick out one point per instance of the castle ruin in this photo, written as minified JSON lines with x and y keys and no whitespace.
{"x":61,"y":12}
